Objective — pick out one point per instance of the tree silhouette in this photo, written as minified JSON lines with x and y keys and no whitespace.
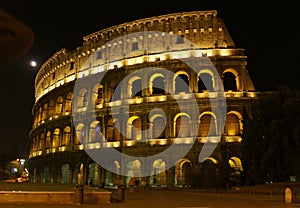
{"x":271,"y":138}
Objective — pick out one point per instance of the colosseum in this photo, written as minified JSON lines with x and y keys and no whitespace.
{"x":160,"y":99}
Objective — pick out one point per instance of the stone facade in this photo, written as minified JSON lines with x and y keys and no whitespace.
{"x":106,"y":94}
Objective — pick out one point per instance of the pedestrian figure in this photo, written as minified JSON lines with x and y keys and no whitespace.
{"x":143,"y":185}
{"x":131,"y":184}
{"x":137,"y":185}
{"x":91,"y":182}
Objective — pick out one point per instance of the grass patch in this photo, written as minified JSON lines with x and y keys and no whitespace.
{"x":42,"y":187}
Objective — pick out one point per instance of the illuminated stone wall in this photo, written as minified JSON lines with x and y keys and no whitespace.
{"x":205,"y":29}
{"x":57,"y":154}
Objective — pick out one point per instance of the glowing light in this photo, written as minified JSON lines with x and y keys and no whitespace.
{"x":33,"y":63}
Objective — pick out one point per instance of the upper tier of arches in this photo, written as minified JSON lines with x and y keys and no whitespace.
{"x":172,"y":36}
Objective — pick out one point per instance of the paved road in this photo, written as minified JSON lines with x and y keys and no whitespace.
{"x":175,"y":199}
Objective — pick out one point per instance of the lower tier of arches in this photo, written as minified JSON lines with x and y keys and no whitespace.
{"x":222,"y":168}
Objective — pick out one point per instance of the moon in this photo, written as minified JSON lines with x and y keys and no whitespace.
{"x":33,"y":63}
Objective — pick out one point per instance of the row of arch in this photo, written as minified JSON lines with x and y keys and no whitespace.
{"x":181,"y":172}
{"x":159,"y":83}
{"x":98,"y":39}
{"x":182,"y":126}
{"x":134,"y":87}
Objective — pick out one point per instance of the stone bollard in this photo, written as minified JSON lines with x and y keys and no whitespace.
{"x":121,"y":193}
{"x":288,"y":195}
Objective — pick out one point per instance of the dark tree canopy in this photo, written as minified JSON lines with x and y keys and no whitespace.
{"x":271,"y":138}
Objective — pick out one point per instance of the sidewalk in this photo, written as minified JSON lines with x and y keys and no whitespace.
{"x":154,"y":198}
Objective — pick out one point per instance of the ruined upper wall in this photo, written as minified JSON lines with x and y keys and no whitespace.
{"x":202,"y":28}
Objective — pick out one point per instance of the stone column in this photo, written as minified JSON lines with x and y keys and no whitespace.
{"x":171,"y":177}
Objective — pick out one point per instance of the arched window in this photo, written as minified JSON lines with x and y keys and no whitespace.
{"x":66,"y":136}
{"x":136,"y":129}
{"x":158,"y":127}
{"x":82,"y":99}
{"x":182,"y":172}
{"x":94,"y":174}
{"x":40,"y":112}
{"x":236,"y":164}
{"x":205,"y":82}
{"x":183,"y":126}
{"x":112,"y":131}
{"x":98,"y":94}
{"x":51,"y":108}
{"x":158,"y":86}
{"x":95,"y":134}
{"x":236,"y":169}
{"x":136,"y":168}
{"x":159,"y":173}
{"x":207,"y":126}
{"x":117,"y":167}
{"x":48,"y":140}
{"x":56,"y":138}
{"x":45,"y":111}
{"x":232,"y":126}
{"x":42,"y":141}
{"x":181,"y":83}
{"x":58,"y":106}
{"x":116,"y":93}
{"x":133,"y":170}
{"x":80,"y":134}
{"x":136,"y":88}
{"x":68,"y":102}
{"x":208,"y":172}
{"x":229,"y":80}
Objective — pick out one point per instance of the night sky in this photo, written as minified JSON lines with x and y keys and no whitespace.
{"x":268,"y":33}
